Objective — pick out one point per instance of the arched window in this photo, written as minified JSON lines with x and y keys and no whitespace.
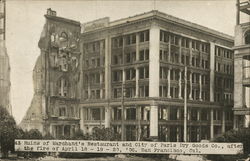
{"x":247,"y":37}
{"x":64,"y":36}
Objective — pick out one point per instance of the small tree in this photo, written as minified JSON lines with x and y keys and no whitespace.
{"x":106,"y":134}
{"x":233,"y":136}
{"x":7,"y":132}
{"x":31,"y":134}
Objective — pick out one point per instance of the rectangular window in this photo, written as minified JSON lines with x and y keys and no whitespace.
{"x":133,"y":55}
{"x":173,"y":113}
{"x":141,"y":73}
{"x":96,"y":114}
{"x":146,"y":72}
{"x":146,"y":54}
{"x":141,"y":55}
{"x":128,"y":59}
{"x":62,"y":111}
{"x":98,"y":96}
{"x":127,"y":72}
{"x":98,"y":62}
{"x":131,"y":113}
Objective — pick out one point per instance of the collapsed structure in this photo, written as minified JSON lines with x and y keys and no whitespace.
{"x":90,"y":75}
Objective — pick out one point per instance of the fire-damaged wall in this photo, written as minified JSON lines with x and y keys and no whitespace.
{"x":4,"y":63}
{"x":56,"y":79}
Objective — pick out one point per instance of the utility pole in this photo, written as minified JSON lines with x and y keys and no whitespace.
{"x":185,"y":105}
{"x":123,"y":135}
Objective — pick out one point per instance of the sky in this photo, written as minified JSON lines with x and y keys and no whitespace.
{"x":25,"y":20}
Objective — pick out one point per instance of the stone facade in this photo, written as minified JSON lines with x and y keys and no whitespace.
{"x":4,"y":64}
{"x":242,"y":68}
{"x":135,"y":66}
{"x":54,"y":108}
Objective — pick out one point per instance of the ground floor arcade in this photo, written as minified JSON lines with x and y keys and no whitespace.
{"x":157,"y":119}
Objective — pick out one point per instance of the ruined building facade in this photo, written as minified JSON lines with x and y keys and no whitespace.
{"x":242,"y":67}
{"x":54,"y":108}
{"x":133,"y":66}
{"x":4,"y":63}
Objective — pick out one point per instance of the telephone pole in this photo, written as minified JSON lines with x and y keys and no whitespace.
{"x":185,"y":105}
{"x":123,"y":135}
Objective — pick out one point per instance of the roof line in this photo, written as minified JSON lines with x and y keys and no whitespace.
{"x":175,"y":19}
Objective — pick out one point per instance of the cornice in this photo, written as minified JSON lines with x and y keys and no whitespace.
{"x":65,"y":20}
{"x":156,"y":15}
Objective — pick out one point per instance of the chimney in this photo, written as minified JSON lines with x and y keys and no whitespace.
{"x":51,"y":12}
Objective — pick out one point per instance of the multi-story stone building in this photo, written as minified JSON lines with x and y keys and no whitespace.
{"x":242,"y":67}
{"x":54,"y":107}
{"x":4,"y":63}
{"x":135,"y":66}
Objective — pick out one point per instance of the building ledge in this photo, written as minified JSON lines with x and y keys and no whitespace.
{"x":246,"y":82}
{"x":241,"y":111}
{"x":244,"y":46}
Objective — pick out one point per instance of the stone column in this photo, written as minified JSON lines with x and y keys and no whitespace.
{"x":107,"y":116}
{"x":198,"y":115}
{"x":235,"y":122}
{"x":137,"y":82}
{"x":168,"y":113}
{"x":138,"y":118}
{"x":190,"y":80}
{"x":62,"y":86}
{"x":154,"y":48}
{"x":212,"y":124}
{"x":190,"y":53}
{"x":212,"y":71}
{"x":200,"y":85}
{"x":137,"y":47}
{"x":169,"y":48}
{"x":169,"y":84}
{"x":145,"y":114}
{"x":125,"y":113}
{"x":107,"y":68}
{"x":101,"y":81}
{"x":123,"y":76}
{"x":177,"y":133}
{"x":154,"y":121}
{"x":178,"y":113}
{"x":188,"y":114}
{"x":199,"y":127}
{"x":63,"y":126}
{"x":188,"y":133}
{"x":107,"y":80}
{"x":200,"y":63}
{"x":223,"y":122}
{"x":180,"y":87}
{"x":51,"y":129}
{"x":82,"y":118}
{"x":179,"y":43}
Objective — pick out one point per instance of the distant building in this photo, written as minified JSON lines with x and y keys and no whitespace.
{"x":143,"y":58}
{"x":4,"y":63}
{"x":242,"y":67}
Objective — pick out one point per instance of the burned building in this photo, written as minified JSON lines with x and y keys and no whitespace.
{"x":135,"y":67}
{"x":4,"y":62}
{"x":242,"y":67}
{"x":54,"y":108}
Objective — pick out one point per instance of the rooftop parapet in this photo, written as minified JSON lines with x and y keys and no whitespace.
{"x":99,"y":24}
{"x":51,"y":14}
